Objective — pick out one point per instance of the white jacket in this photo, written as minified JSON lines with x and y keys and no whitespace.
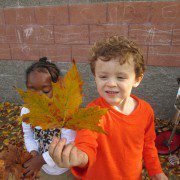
{"x":31,"y":144}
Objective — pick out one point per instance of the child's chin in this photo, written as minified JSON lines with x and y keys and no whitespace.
{"x":113,"y":103}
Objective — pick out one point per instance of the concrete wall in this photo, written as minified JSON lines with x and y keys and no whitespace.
{"x":14,"y":3}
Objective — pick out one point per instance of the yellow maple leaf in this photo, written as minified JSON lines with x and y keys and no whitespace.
{"x":43,"y":112}
{"x":63,"y":109}
{"x":87,"y":118}
{"x":68,"y":97}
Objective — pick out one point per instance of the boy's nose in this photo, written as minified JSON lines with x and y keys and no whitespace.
{"x":111,"y":83}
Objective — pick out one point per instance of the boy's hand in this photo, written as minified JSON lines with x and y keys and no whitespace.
{"x":66,"y":156}
{"x":33,"y":165}
{"x":161,"y":176}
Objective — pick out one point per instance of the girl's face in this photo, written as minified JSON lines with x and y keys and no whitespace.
{"x":40,"y":82}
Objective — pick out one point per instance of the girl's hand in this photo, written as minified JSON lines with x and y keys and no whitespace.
{"x":34,"y":153}
{"x":160,"y":176}
{"x":66,"y":156}
{"x":33,"y":165}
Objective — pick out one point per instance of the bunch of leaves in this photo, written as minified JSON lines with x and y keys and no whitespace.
{"x":11,"y":162}
{"x":12,"y":151}
{"x":63,"y":109}
{"x":10,"y":129}
{"x":162,"y":125}
{"x":172,"y":171}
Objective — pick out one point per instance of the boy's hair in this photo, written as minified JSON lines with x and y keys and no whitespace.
{"x":117,"y":46}
{"x":44,"y":65}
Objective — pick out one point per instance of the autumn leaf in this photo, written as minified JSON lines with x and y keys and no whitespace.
{"x":12,"y":151}
{"x":2,"y":169}
{"x":10,"y":130}
{"x":87,"y":118}
{"x":63,"y":109}
{"x":68,"y":96}
{"x":11,"y":162}
{"x":41,"y":108}
{"x":2,"y":166}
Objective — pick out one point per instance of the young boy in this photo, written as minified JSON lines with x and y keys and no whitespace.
{"x":117,"y":66}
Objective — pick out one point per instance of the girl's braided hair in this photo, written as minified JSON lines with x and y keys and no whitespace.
{"x":44,"y":65}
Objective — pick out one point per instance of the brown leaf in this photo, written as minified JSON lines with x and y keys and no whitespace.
{"x":12,"y":160}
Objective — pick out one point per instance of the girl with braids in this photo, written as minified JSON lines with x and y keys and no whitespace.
{"x":39,"y":78}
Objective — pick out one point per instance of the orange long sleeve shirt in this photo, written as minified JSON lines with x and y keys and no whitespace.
{"x":119,"y":154}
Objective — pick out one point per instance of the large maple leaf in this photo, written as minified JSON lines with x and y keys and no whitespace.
{"x":43,"y":111}
{"x":63,"y":109}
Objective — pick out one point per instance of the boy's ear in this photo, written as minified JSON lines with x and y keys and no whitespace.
{"x":94,"y":77}
{"x":138,"y":81}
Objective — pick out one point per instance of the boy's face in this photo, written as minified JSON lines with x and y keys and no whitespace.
{"x":114,"y":81}
{"x":40,"y":82}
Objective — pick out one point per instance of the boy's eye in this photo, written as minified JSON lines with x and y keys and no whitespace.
{"x":120,"y":77}
{"x":102,"y":77}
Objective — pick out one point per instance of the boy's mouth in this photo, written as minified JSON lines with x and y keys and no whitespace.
{"x":112,"y":92}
